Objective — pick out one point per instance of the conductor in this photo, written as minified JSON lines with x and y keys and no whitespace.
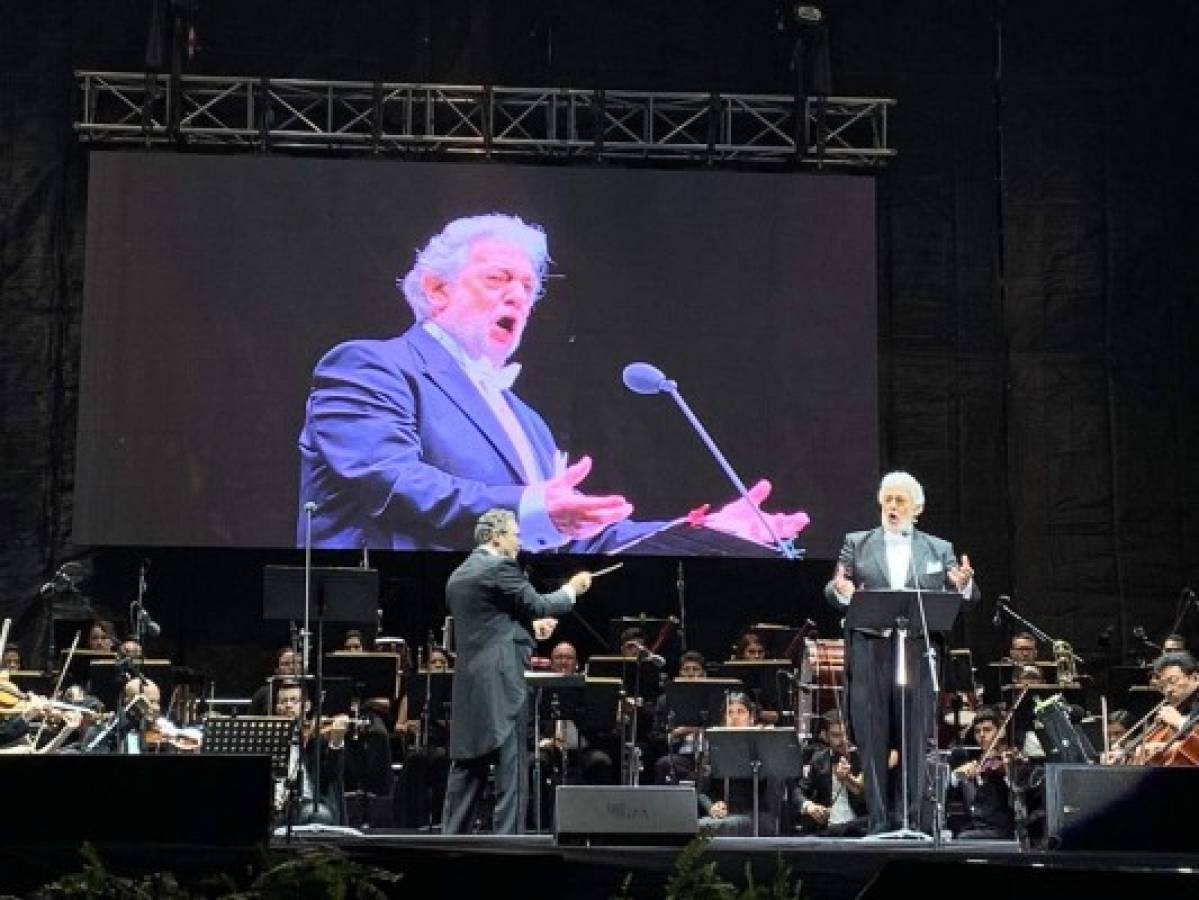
{"x":495,"y":609}
{"x":893,"y":556}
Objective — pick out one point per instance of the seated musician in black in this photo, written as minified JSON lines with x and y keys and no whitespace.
{"x":563,"y":737}
{"x":829,"y":797}
{"x":726,"y":805}
{"x":287,"y":665}
{"x":329,"y":742}
{"x":420,"y":788}
{"x":1177,"y":677}
{"x":984,"y":783}
{"x":368,"y":752}
{"x":682,"y":741}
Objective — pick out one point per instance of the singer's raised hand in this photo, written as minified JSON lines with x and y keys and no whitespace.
{"x":961,"y":574}
{"x":843,"y":581}
{"x":578,"y":515}
{"x":740,"y":518}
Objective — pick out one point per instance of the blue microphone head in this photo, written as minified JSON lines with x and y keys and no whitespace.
{"x":643,"y":378}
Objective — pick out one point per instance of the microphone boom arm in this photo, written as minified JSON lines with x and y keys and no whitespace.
{"x":785,"y":547}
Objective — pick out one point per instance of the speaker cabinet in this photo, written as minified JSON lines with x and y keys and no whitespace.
{"x":1134,"y":808}
{"x":618,"y":814}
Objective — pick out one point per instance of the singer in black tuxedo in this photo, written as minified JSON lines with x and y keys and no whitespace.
{"x":893,"y":556}
{"x":494,"y":608}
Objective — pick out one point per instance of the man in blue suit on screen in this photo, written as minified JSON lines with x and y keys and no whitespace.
{"x":408,"y":441}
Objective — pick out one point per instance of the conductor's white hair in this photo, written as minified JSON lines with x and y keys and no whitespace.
{"x":904,"y":482}
{"x":447,"y":252}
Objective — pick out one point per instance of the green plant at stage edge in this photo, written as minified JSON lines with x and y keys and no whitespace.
{"x":317,"y":873}
{"x":693,"y":879}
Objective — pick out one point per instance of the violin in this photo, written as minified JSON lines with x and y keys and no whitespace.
{"x":157,"y":739}
{"x":329,"y":724}
{"x":16,"y":702}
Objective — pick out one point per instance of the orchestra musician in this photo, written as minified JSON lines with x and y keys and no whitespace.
{"x":830,"y":795}
{"x":726,"y":804}
{"x":682,"y":741}
{"x":326,"y":738}
{"x":984,"y":782}
{"x":893,"y":556}
{"x":1171,"y":737}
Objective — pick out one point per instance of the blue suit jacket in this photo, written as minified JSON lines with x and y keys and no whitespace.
{"x":400,"y":451}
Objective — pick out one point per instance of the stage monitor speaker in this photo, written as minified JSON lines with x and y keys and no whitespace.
{"x":152,"y":799}
{"x":618,"y":814}
{"x":1134,"y":808}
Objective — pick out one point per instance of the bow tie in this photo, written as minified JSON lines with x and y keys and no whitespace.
{"x":498,"y":379}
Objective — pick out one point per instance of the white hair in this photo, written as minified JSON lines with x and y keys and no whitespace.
{"x":447,"y":253}
{"x":904,"y":482}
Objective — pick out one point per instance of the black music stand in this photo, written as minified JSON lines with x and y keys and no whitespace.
{"x":78,"y":672}
{"x":781,"y":641}
{"x":699,"y":701}
{"x":266,"y":735}
{"x":636,"y":675}
{"x":904,"y":611}
{"x":430,"y":698}
{"x":558,"y":686}
{"x":772,"y":753}
{"x":370,"y":674}
{"x":108,"y":675}
{"x":761,"y":679}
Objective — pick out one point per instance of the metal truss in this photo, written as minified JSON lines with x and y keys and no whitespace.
{"x":440,"y":120}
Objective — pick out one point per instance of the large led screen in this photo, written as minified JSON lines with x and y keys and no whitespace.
{"x":253,"y":373}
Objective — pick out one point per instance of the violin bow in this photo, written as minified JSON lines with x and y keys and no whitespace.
{"x":58,"y":687}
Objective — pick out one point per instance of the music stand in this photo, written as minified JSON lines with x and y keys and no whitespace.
{"x":78,"y":672}
{"x":761,"y":679}
{"x":780,"y":641}
{"x":105,"y":684}
{"x":629,"y":671}
{"x":430,"y":698}
{"x":754,"y":753}
{"x":258,"y":735}
{"x":559,"y":686}
{"x":698,"y":702}
{"x":371,"y":674}
{"x":929,"y":611}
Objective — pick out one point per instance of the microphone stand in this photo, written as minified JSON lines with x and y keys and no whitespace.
{"x":642,"y":378}
{"x":905,"y":831}
{"x":785,"y":547}
{"x":681,"y":586}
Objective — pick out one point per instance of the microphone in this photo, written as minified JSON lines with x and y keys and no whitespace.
{"x":997,"y":619}
{"x":644,"y":378}
{"x":310,"y":506}
{"x":153,"y":629}
{"x":645,"y":653}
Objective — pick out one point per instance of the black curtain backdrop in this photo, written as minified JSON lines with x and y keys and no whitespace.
{"x":1037,"y":287}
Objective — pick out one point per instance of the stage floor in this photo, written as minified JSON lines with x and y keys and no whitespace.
{"x":827,"y":868}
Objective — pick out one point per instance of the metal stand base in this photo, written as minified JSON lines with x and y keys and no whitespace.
{"x":899,"y":834}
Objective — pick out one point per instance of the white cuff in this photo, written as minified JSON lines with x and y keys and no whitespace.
{"x":537,"y":532}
